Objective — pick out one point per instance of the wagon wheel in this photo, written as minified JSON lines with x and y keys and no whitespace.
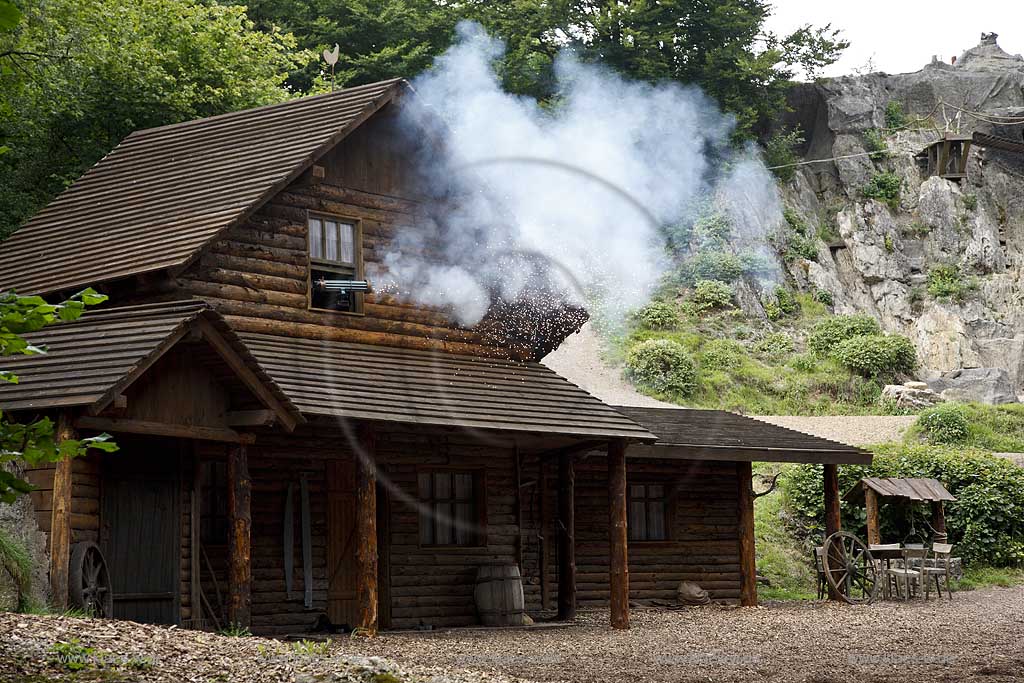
{"x":850,"y":569}
{"x":89,"y":582}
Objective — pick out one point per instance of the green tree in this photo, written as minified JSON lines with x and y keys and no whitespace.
{"x":32,"y":443}
{"x":76,"y":76}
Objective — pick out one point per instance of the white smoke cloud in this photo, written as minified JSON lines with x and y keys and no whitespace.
{"x":581,"y":189}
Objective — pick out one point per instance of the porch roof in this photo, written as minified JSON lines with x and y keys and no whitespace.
{"x":380,"y":383}
{"x":689,"y":434}
{"x":90,"y":361}
{"x":908,"y":488}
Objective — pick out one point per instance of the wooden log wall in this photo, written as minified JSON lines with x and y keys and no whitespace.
{"x":703,"y":529}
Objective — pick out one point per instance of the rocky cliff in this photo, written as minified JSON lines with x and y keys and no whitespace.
{"x":938,"y":260}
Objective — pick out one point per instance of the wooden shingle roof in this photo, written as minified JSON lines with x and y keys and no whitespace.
{"x":164,"y":193}
{"x":345,"y":379}
{"x":910,"y":488}
{"x":690,"y":434}
{"x":93,"y":359}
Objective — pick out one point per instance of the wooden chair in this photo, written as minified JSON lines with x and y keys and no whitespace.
{"x":941,"y":552}
{"x":819,"y":566}
{"x":883,"y":563}
{"x":911,"y":577}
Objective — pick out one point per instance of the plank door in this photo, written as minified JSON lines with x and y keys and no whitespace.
{"x":342,"y":590}
{"x":140,"y":535}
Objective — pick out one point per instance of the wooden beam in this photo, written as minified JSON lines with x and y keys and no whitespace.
{"x":195,"y":551}
{"x":566,"y":539}
{"x":366,"y":529}
{"x":250,"y":418}
{"x":240,"y":551}
{"x":832,"y":524}
{"x":115,"y":424}
{"x":60,"y":517}
{"x":848,"y":456}
{"x":871,"y":506}
{"x":748,"y":562}
{"x":939,"y":521}
{"x":618,"y":545}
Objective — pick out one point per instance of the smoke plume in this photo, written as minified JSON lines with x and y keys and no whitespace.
{"x":565,"y":204}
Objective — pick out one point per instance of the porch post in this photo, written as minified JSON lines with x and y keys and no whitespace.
{"x":939,"y":521}
{"x":831,"y":510}
{"x":618,"y":549}
{"x":748,"y":562}
{"x":240,"y":554}
{"x":566,"y":538}
{"x":871,"y":507}
{"x":366,"y":528}
{"x":60,"y":517}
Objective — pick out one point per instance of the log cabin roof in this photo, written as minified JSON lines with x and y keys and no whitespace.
{"x":164,"y":193}
{"x":908,"y":488}
{"x":690,"y":434}
{"x":345,"y":379}
{"x":90,"y":361}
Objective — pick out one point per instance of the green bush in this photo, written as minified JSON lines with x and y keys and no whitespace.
{"x":877,"y":355}
{"x":721,"y":354}
{"x":884,"y":187}
{"x":827,"y":334}
{"x":781,"y":150}
{"x":945,"y":282}
{"x":985,"y":523}
{"x":894,"y":116}
{"x":657,"y":315}
{"x":874,"y":141}
{"x":663,"y":366}
{"x":710,"y":295}
{"x":16,"y":562}
{"x":804,"y":362}
{"x":774,"y":345}
{"x":945,"y":423}
{"x":713,"y":229}
{"x":712,"y":265}
{"x":970,"y":201}
{"x":787,"y":301}
{"x":800,"y":242}
{"x":823,"y":296}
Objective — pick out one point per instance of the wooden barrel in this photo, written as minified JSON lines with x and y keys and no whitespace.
{"x":499,"y":595}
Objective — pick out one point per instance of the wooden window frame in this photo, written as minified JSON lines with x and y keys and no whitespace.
{"x":666,"y":500}
{"x":479,"y":475}
{"x":325,"y":264}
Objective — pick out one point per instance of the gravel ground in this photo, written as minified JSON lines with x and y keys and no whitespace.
{"x":977,"y":637}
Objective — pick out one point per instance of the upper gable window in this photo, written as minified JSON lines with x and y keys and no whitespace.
{"x":335,"y":246}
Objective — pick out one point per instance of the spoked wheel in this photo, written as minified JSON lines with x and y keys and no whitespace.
{"x":88,"y":581}
{"x":850,"y":569}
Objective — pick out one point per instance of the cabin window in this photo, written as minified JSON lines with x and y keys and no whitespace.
{"x":334,"y":254}
{"x":213,"y":521}
{"x":648,"y":510}
{"x":450,"y":508}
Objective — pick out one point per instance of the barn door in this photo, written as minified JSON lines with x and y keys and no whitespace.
{"x":140,"y":539}
{"x":341,"y":543}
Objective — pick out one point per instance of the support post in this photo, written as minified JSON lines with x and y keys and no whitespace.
{"x":195,"y":551}
{"x":618,"y":549}
{"x":832,"y":511}
{"x":366,"y":529}
{"x":240,"y":555}
{"x":871,"y":506}
{"x":60,"y":517}
{"x":939,"y":522}
{"x":566,"y":539}
{"x":748,"y":562}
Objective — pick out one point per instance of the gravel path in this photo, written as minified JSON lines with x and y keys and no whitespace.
{"x":977,"y":637}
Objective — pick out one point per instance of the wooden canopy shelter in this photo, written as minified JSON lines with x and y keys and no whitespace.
{"x":915,"y":489}
{"x":947,"y":156}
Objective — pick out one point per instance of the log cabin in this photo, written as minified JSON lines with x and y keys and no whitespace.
{"x":291,"y":457}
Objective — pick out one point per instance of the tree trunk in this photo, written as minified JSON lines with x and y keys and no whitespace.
{"x":871,"y":506}
{"x":566,"y":539}
{"x":60,"y":517}
{"x":939,"y":522}
{"x":366,"y":528}
{"x":748,"y":562}
{"x":618,"y":548}
{"x":832,"y":511}
{"x":240,"y":555}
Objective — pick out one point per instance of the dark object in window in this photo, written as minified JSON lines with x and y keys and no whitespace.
{"x":648,"y":510}
{"x":450,"y":509}
{"x":334,"y":247}
{"x":213,"y":496}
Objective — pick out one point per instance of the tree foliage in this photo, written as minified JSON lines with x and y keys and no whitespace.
{"x":32,"y":443}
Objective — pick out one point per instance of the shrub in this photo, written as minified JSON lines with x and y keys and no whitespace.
{"x":970,"y":201}
{"x":984,"y":522}
{"x":787,"y":301}
{"x":721,"y":354}
{"x":713,"y":229}
{"x":884,"y":187}
{"x":827,"y":334}
{"x":663,"y":366}
{"x":823,"y":296}
{"x":800,"y":247}
{"x":894,"y":116}
{"x":774,"y":345}
{"x":713,"y":265}
{"x":945,"y":282}
{"x":711,"y":295}
{"x":945,"y":423}
{"x":890,"y":246}
{"x":657,"y":315}
{"x":17,"y":563}
{"x":877,"y":355}
{"x":874,"y":141}
{"x":781,"y":151}
{"x":804,"y":362}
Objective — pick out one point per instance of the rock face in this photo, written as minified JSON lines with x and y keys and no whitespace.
{"x":987,"y":385}
{"x":886,"y":257}
{"x":911,"y":395}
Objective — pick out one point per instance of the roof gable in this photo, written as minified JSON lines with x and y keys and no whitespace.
{"x":164,"y":193}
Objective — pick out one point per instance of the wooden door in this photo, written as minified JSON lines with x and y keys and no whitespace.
{"x":342,"y":608}
{"x":140,"y":532}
